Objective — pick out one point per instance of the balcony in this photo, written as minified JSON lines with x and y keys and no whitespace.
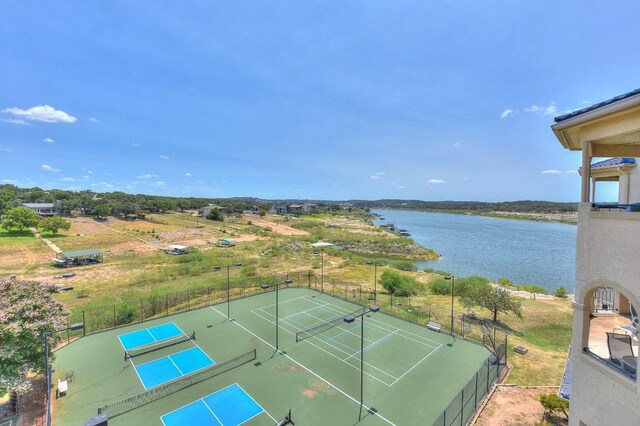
{"x":602,"y":323}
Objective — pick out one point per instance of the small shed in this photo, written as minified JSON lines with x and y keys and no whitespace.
{"x":226,"y":242}
{"x":78,"y":257}
{"x":177,"y":249}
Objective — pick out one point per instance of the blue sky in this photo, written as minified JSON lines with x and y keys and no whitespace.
{"x":320,"y":100}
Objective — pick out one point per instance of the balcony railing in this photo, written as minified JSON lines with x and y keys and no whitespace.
{"x":616,"y":207}
{"x":610,"y":363}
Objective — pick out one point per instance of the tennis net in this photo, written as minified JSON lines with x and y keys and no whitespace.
{"x":133,"y":352}
{"x":136,"y":401}
{"x":326,"y":325}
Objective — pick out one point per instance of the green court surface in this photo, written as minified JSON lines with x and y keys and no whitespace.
{"x":411,"y":374}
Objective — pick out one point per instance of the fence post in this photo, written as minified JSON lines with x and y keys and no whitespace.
{"x":84,"y":329}
{"x":488,"y":376}
{"x":188,"y":300}
{"x":476,"y":394}
{"x":141,"y":312}
{"x":462,"y":408}
{"x":115,"y":317}
{"x":166,"y":304}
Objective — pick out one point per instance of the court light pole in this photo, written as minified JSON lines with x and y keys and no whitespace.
{"x":266,"y":286}
{"x":349,"y":320}
{"x":47,"y":366}
{"x":375,"y":282}
{"x":453,"y":290}
{"x":217,"y":268}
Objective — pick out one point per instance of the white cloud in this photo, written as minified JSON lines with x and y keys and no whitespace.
{"x":572,"y":172}
{"x":48,"y":168}
{"x":543,"y":110}
{"x":93,"y":120}
{"x":5,"y":149}
{"x":435,"y":181}
{"x":164,"y":157}
{"x":87,"y":170}
{"x":457,"y":145}
{"x":400,"y":187}
{"x":160,"y":183}
{"x":85,"y":177}
{"x":48,"y":140}
{"x":44,"y":113}
{"x":14,"y":121}
{"x":377,"y":175}
{"x":68,"y":179}
{"x":551,"y":172}
{"x":11,"y":181}
{"x":506,"y":113}
{"x":187,"y":174}
{"x":147,"y":176}
{"x":106,"y":185}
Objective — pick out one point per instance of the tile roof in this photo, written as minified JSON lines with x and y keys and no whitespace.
{"x":576,"y":113}
{"x":616,"y":161}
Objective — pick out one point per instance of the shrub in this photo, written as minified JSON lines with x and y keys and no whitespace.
{"x":561,"y":292}
{"x":398,"y":284}
{"x":533,"y":288}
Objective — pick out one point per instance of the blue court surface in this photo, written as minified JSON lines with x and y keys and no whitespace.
{"x":162,"y":370}
{"x":230,"y":406}
{"x":149,"y":335}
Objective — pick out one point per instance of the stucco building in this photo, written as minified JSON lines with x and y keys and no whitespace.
{"x":604,"y":386}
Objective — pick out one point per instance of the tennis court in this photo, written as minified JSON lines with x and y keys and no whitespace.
{"x":410,"y":374}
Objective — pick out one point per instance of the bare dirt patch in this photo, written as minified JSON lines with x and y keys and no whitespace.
{"x":277,"y":227}
{"x":513,"y":405}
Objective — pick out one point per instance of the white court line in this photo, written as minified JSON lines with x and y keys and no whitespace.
{"x":336,"y":356}
{"x":251,"y":398}
{"x":377,"y":342}
{"x":329,"y":344}
{"x":309,"y":370}
{"x":400,"y":333}
{"x":387,"y":328}
{"x":344,"y":330}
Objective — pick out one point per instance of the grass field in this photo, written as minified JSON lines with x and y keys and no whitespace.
{"x":318,"y":378}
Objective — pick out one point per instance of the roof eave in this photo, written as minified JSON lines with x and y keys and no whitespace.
{"x":561,"y":129}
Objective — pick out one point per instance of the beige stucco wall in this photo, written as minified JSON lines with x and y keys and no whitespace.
{"x":607,"y":254}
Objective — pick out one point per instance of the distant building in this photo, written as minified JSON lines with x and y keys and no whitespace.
{"x":205,"y":211}
{"x":43,"y":209}
{"x":281,"y":209}
{"x":177,"y":249}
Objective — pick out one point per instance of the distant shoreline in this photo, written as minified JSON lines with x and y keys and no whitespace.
{"x":569,"y":218}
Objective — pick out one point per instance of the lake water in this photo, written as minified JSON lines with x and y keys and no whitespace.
{"x":526,"y":252}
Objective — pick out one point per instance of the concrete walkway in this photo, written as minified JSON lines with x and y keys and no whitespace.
{"x":52,"y":246}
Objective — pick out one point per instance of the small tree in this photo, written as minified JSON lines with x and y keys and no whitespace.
{"x":19,"y":217}
{"x":495,"y":299}
{"x":397,"y":284}
{"x":27,"y":311}
{"x":215,"y":214}
{"x":102,"y":210}
{"x":54,"y":223}
{"x":552,"y":404}
{"x":561,"y":292}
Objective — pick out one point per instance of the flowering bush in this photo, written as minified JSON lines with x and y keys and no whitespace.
{"x":27,"y":311}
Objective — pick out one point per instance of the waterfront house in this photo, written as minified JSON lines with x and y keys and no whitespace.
{"x":43,"y":209}
{"x":603,"y":361}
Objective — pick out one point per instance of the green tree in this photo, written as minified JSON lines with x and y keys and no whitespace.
{"x":53,"y":224}
{"x":397,"y":284}
{"x":215,"y":214}
{"x":101,"y":210}
{"x":28,"y":310}
{"x":19,"y":217}
{"x":495,"y":299}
